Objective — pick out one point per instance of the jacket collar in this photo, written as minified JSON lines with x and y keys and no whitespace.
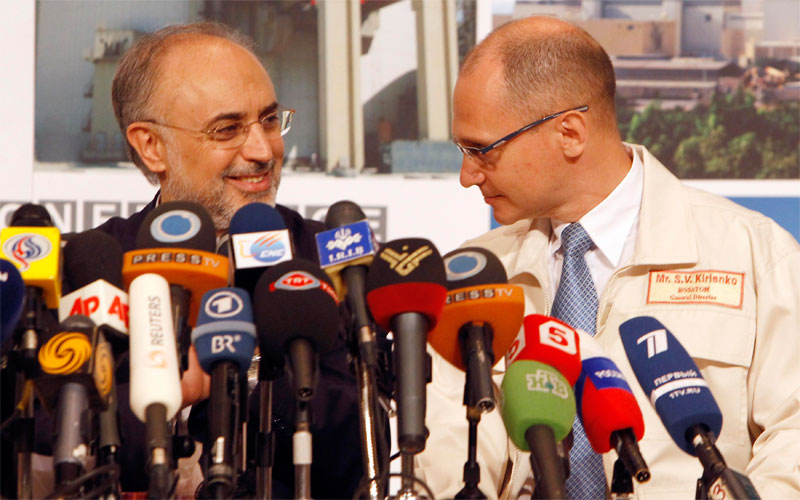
{"x":666,"y":228}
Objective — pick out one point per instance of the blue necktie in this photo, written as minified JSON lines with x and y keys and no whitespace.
{"x":576,"y":305}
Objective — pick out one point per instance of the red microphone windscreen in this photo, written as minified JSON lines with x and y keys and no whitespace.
{"x":549,"y":341}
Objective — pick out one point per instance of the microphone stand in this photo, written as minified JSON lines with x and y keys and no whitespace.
{"x":718,"y":480}
{"x":301,"y":444}
{"x":475,"y":341}
{"x":364,"y":348}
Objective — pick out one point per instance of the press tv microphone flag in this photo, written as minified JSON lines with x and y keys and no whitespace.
{"x":224,"y":338}
{"x":406,"y":290}
{"x":155,"y":388}
{"x":549,"y":341}
{"x":177,"y":241}
{"x":538,"y":409}
{"x":12,"y":295}
{"x":608,"y":410}
{"x":478,"y":292}
{"x":481,"y":317}
{"x":93,"y":269}
{"x":258,"y":240}
{"x":33,"y":245}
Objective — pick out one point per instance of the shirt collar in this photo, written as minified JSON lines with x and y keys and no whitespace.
{"x":609,"y":223}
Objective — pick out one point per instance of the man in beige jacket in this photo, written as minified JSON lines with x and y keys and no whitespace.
{"x":647,"y":229}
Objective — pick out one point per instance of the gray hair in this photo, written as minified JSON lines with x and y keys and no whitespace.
{"x":136,"y":78}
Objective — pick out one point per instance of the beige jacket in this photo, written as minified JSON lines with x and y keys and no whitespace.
{"x":744,"y":335}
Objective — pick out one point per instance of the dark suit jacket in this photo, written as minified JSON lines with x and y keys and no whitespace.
{"x":337,"y":465}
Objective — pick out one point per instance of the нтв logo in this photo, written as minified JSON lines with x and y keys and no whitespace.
{"x":175,"y":226}
{"x":268,"y":248}
{"x":224,"y":304}
{"x":464,"y":265}
{"x":25,"y":248}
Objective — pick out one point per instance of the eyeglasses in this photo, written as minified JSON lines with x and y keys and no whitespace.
{"x":478,"y":153}
{"x":232,"y":134}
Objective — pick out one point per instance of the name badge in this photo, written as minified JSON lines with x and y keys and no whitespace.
{"x":721,"y":288}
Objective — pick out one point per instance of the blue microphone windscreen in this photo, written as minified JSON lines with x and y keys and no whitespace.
{"x":255,"y":217}
{"x":12,"y":295}
{"x":225,"y":329}
{"x":670,"y":378}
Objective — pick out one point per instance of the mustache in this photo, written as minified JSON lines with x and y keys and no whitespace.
{"x":251,"y":169}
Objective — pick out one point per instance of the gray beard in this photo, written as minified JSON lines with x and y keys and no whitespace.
{"x":213,"y":200}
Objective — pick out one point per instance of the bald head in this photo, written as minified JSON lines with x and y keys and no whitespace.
{"x":547,"y":65}
{"x":137,"y":78}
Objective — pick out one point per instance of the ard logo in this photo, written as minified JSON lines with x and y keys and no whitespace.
{"x":405,"y":263}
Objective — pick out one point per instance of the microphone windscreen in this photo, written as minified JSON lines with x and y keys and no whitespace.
{"x":536,"y":394}
{"x":178,"y":224}
{"x":407,"y":275}
{"x":225,"y":329}
{"x":295,"y":299}
{"x":31,"y":215}
{"x":255,"y":217}
{"x":153,"y":349}
{"x":473,"y":266}
{"x":12,"y":295}
{"x":342,"y":213}
{"x":550,"y":341}
{"x":606,"y":403}
{"x":670,"y":378}
{"x":92,"y":255}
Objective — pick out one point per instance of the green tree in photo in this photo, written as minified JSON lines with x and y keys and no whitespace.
{"x":729,"y":138}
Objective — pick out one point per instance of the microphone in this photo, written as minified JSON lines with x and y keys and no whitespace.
{"x":297,"y":315}
{"x":682,"y":400}
{"x":258,"y":239}
{"x":155,"y":389}
{"x":77,"y":369}
{"x":177,"y":241}
{"x":346,"y":251}
{"x":224,"y":338}
{"x":482,"y":316}
{"x":608,"y":409}
{"x":406,"y":293}
{"x":93,"y":269}
{"x":538,"y":410}
{"x":12,"y":295}
{"x":35,"y":250}
{"x":549,"y":341}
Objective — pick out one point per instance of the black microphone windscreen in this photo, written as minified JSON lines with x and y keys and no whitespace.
{"x":407,"y":260}
{"x":295,"y":299}
{"x":343,"y":212}
{"x":473,"y":266}
{"x":92,"y":255}
{"x":31,"y":215}
{"x":178,"y":224}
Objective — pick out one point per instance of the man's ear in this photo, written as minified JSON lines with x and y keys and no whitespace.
{"x":149,"y":145}
{"x":574,"y":129}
